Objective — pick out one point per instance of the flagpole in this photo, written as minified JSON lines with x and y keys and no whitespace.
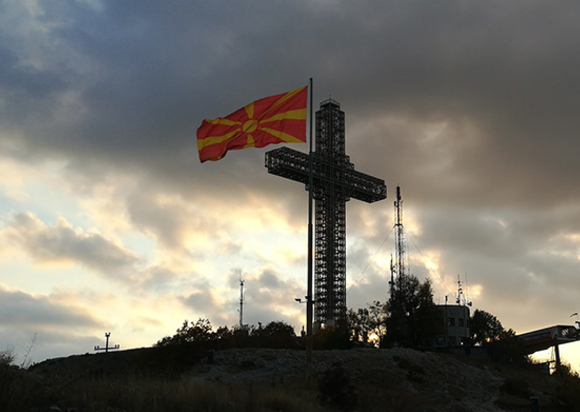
{"x":309,"y":302}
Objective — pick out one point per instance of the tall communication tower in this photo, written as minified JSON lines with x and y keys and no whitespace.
{"x":399,"y":267}
{"x":400,"y":304}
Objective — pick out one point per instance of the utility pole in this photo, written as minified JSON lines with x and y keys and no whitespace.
{"x":241,"y":304}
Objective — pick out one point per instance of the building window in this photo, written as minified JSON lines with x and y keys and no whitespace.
{"x":451,"y":322}
{"x":461,"y":322}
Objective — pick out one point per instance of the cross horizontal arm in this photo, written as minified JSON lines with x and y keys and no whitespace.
{"x":366,"y":188}
{"x":288,"y":163}
{"x":293,"y":165}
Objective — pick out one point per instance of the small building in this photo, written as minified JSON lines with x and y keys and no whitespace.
{"x":455,"y":322}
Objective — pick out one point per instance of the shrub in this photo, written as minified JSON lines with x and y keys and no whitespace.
{"x":567,"y":397}
{"x":7,"y":357}
{"x":336,"y":390}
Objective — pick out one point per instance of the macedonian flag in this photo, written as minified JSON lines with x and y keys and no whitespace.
{"x":274,"y":119}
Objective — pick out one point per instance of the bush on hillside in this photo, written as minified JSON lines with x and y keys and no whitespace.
{"x":276,"y":334}
{"x":335,"y":389}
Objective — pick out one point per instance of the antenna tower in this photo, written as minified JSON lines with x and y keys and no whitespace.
{"x":399,"y":266}
{"x":461,"y":297}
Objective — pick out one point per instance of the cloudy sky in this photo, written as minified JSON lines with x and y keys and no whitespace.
{"x":109,"y":222}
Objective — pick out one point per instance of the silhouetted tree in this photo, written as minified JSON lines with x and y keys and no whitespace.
{"x":200,"y":331}
{"x":366,"y":321}
{"x":7,"y":357}
{"x":426,"y":317}
{"x":276,"y":334}
{"x":412,"y":316}
{"x":223,"y":333}
{"x":485,"y":328}
{"x":502,"y":344}
{"x":278,"y":328}
{"x":357,"y":321}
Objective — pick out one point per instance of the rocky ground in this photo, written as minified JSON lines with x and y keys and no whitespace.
{"x":396,"y":379}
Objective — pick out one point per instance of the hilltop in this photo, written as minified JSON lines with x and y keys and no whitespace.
{"x":178,"y":379}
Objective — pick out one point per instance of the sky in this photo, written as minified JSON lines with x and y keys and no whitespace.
{"x":110,"y":223}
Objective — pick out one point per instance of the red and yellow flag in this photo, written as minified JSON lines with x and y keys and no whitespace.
{"x":274,"y":119}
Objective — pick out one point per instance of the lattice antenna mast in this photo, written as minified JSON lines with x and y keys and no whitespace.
{"x":400,"y":266}
{"x":461,"y":297}
{"x":459,"y":291}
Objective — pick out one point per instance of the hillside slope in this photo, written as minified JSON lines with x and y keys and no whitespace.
{"x":396,"y":379}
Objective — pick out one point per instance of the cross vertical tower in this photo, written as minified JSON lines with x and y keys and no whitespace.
{"x":334,"y":182}
{"x":330,"y":216}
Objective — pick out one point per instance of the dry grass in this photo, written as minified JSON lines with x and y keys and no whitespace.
{"x":274,"y":380}
{"x":21,"y":390}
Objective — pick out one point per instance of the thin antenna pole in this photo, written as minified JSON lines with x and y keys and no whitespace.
{"x":309,"y":308}
{"x":466,"y":289}
{"x":392,"y":281}
{"x":241,"y":303}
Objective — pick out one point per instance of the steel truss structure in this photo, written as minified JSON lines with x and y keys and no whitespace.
{"x":335,"y":181}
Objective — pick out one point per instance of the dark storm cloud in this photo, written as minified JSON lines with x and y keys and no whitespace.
{"x":151,"y":73}
{"x":469,"y":106}
{"x":19,"y":309}
{"x":145,"y":70}
{"x":61,"y":242}
{"x":25,"y":82}
{"x":204,"y":304}
{"x":269,"y":287}
{"x":264,"y":293}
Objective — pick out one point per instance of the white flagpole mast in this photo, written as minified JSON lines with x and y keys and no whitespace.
{"x":309,"y":302}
